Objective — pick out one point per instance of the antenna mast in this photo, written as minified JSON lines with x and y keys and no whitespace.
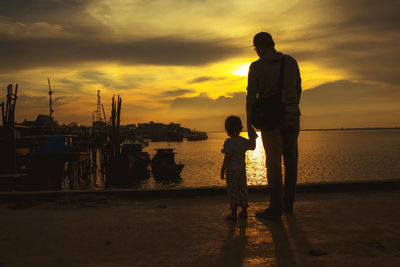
{"x":98,"y":110}
{"x":50,"y":100}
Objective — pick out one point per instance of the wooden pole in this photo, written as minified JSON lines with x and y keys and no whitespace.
{"x":10,"y":128}
{"x":117,"y":145}
{"x":3,"y":118}
{"x":104,"y":113}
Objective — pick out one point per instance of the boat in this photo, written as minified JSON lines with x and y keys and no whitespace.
{"x":197,"y":136}
{"x":171,"y":137}
{"x":135,"y":160}
{"x":163,"y":164}
{"x":46,"y":160}
{"x":129,"y":167}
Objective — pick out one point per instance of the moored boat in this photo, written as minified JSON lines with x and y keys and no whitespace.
{"x":163,"y":164}
{"x":197,"y":136}
{"x":136,"y":161}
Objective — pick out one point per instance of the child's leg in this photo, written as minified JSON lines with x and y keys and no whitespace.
{"x":232,"y":194}
{"x":234,"y":211}
{"x":242,"y":193}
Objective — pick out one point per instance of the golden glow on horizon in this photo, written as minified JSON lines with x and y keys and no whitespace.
{"x":313,"y":75}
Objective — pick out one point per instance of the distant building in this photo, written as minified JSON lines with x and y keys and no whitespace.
{"x":159,"y":131}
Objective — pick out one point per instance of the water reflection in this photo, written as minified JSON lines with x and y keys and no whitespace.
{"x":255,"y":164}
{"x":323,"y":157}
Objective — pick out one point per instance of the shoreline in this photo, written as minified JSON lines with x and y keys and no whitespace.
{"x":331,"y":129}
{"x":199,"y":191}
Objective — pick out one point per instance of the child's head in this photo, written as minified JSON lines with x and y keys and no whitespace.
{"x":233,"y":125}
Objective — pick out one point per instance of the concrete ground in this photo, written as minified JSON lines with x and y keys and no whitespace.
{"x":326,"y":229}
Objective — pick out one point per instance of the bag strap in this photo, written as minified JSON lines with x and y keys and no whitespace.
{"x":281,"y":77}
{"x":282,"y":73}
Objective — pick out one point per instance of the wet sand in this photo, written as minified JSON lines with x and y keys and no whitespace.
{"x":326,"y":229}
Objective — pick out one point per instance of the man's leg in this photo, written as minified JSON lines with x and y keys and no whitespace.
{"x":272,"y":141}
{"x":290,"y":133}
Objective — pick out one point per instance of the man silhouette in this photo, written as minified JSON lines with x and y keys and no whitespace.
{"x":263,"y":80}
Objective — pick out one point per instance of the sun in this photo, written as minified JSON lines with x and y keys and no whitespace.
{"x":242,"y":70}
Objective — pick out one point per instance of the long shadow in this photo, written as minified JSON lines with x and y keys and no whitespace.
{"x":300,"y":240}
{"x":234,"y":247}
{"x":283,"y":250}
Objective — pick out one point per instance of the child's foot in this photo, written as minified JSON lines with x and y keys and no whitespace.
{"x":231,"y":217}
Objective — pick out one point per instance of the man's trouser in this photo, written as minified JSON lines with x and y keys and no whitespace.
{"x":282,"y":141}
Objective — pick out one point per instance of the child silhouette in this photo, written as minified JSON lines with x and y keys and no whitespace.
{"x":234,"y":166}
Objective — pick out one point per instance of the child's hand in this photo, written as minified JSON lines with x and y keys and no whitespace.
{"x":251,"y":132}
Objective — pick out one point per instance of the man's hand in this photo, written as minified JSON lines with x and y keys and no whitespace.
{"x":251,"y":132}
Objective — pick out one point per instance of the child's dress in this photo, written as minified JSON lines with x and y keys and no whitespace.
{"x":236,"y":181}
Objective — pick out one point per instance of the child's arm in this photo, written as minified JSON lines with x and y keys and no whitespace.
{"x":252,"y":143}
{"x":227,"y":158}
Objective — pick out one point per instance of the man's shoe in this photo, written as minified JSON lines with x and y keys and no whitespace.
{"x":268,"y":214}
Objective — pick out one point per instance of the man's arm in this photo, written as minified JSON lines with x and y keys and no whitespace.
{"x":291,"y":83}
{"x":251,"y":98}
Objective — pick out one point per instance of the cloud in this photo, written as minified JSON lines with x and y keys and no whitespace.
{"x":332,"y":105}
{"x":72,"y":16}
{"x":29,"y":106}
{"x":31,"y":53}
{"x":95,"y":77}
{"x":49,"y":33}
{"x":34,"y":30}
{"x":177,"y":92}
{"x":350,"y":104}
{"x":30,"y":101}
{"x":202,"y":79}
{"x":357,"y":38}
{"x":203,"y":106}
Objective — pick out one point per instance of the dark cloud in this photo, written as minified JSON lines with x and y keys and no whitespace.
{"x":91,"y":75}
{"x":29,"y":106}
{"x":204,"y":79}
{"x":132,"y":82}
{"x":30,"y":53}
{"x":177,"y":92}
{"x":359,"y":37}
{"x":95,"y":77}
{"x":29,"y":101}
{"x":124,"y":82}
{"x":52,"y":33}
{"x":350,"y":104}
{"x":67,"y":82}
{"x":72,"y":15}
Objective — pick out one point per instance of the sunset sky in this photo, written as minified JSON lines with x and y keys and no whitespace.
{"x":186,"y":61}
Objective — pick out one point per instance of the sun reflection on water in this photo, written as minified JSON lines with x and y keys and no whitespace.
{"x":255,"y":163}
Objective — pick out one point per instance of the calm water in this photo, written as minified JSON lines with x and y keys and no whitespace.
{"x":324,"y":156}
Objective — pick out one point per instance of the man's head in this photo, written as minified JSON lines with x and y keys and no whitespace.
{"x":263,"y":42}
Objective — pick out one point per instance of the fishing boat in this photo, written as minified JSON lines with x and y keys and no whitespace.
{"x":129,"y":167}
{"x":163,"y":164}
{"x":136,"y":162}
{"x":197,"y":136}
